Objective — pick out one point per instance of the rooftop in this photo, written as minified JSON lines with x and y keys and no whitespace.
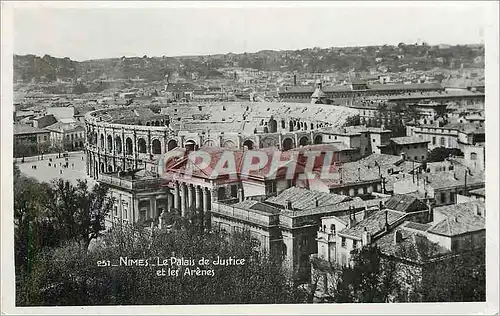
{"x":403,"y":202}
{"x":257,"y":206}
{"x":374,"y":223}
{"x":407,"y":140}
{"x":412,"y":246}
{"x":303,"y":199}
{"x":26,"y":129}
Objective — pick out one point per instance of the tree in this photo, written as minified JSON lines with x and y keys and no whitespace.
{"x":353,"y":121}
{"x":69,"y":275}
{"x":461,"y":278}
{"x":368,"y":280}
{"x":441,"y":153}
{"x":80,"y":213}
{"x":32,"y":232}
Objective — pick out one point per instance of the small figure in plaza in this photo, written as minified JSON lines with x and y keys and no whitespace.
{"x":60,"y":171}
{"x":49,"y":165}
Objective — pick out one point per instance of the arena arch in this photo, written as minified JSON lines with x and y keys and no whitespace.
{"x":102,"y":141}
{"x":318,"y":139}
{"x":118,"y":144}
{"x":209,"y":143}
{"x":190,"y":145}
{"x":304,"y":141}
{"x":229,"y":144}
{"x":248,"y":144}
{"x":156,"y":147}
{"x":129,"y":147}
{"x":273,"y":126}
{"x":141,"y":146}
{"x":110,"y":143}
{"x":172,"y":144}
{"x":287,"y":144}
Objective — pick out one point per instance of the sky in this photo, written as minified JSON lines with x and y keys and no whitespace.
{"x":82,"y":32}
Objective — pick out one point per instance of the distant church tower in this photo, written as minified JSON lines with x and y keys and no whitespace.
{"x":318,"y":97}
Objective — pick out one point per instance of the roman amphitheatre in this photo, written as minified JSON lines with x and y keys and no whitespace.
{"x":133,"y":138}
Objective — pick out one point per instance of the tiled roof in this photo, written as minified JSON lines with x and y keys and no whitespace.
{"x":412,"y":246}
{"x":303,"y":199}
{"x":374,"y":223}
{"x":318,"y":93}
{"x":402,"y":203}
{"x":380,"y":159}
{"x":412,"y":86}
{"x":460,"y":219}
{"x":480,"y":192}
{"x":355,"y":203}
{"x":407,"y":140}
{"x":416,"y":226}
{"x":26,"y":129}
{"x":257,"y":206}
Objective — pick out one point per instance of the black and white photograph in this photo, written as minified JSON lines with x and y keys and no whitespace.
{"x":250,"y":157}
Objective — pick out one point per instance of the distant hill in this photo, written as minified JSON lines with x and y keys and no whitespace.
{"x":393,"y":58}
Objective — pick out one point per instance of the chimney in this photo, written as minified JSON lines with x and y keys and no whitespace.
{"x":240,"y":194}
{"x":386,"y":221}
{"x":352,"y":218}
{"x":465,"y":184}
{"x":317,"y":202}
{"x":430,"y":208}
{"x":365,"y":237}
{"x":295,"y":79}
{"x":398,"y":236}
{"x":380,"y":205}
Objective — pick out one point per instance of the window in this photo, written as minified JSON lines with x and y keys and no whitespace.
{"x":373,"y":140}
{"x":116,"y":210}
{"x":442,"y":141}
{"x":443,"y":197}
{"x":332,"y":228}
{"x":354,"y":244}
{"x":343,"y":242}
{"x":473,"y":156}
{"x":434,"y":140}
{"x":423,"y":157}
{"x":270,"y":187}
{"x":416,"y":158}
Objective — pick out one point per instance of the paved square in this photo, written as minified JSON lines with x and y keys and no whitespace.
{"x":45,"y":173}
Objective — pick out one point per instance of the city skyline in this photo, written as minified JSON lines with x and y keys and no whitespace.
{"x":222,"y":30}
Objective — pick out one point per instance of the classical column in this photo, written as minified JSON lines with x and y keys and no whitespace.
{"x":152,"y":207}
{"x":136,"y":210}
{"x":183,"y":200}
{"x":213,"y":196}
{"x":205,"y":200}
{"x":176,"y":196}
{"x":198,"y":197}
{"x":120,"y":208}
{"x":170,"y":201}
{"x":190,"y":196}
